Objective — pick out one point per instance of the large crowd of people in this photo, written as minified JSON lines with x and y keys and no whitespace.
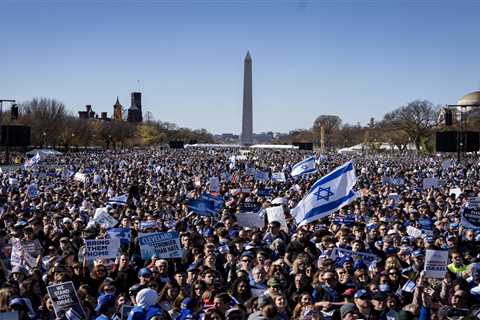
{"x":231,"y":271}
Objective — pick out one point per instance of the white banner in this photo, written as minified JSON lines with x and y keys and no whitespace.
{"x":250,"y":219}
{"x":278,"y":177}
{"x":102,"y":248}
{"x":276,"y":214}
{"x":366,"y":257}
{"x":414,"y":232}
{"x":81,"y":177}
{"x":164,"y":245}
{"x":436,"y":262}
{"x":104,"y":219}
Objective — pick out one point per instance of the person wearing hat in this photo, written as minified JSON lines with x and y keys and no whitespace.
{"x":145,"y":276}
{"x":263,"y":302}
{"x":379,"y":304}
{"x":105,"y":307}
{"x":361,"y":298}
{"x":348,"y":311}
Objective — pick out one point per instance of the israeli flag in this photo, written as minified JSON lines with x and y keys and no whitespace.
{"x":327,"y":195}
{"x":32,"y":161}
{"x":305,"y":166}
{"x":119,"y":200}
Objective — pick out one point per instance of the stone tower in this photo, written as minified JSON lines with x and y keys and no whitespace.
{"x":246,"y":138}
{"x":117,"y":111}
{"x":135,"y":110}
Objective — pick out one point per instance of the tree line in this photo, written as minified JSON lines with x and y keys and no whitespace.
{"x":53,"y":125}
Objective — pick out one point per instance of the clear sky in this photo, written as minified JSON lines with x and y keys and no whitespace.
{"x":357,"y":59}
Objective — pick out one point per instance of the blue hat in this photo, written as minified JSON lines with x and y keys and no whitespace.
{"x":417,"y":253}
{"x":105,"y":300}
{"x":144,"y":272}
{"x":247,"y":254}
{"x":359,"y":264}
{"x":391,"y":250}
{"x":361,"y":294}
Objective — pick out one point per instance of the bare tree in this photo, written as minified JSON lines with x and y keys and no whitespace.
{"x":416,"y":119}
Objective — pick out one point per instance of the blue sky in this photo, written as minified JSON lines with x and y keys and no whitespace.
{"x":356,"y":59}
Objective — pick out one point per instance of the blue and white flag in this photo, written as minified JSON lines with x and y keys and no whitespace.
{"x":261,"y":175}
{"x":305,"y":166}
{"x":119,"y":200}
{"x":32,"y":161}
{"x":202,"y":207}
{"x":327,"y":195}
{"x":278,"y":177}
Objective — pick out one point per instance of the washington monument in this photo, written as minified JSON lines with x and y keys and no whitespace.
{"x":246,"y":138}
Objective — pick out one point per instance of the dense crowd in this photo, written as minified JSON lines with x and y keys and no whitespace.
{"x":229,"y":271}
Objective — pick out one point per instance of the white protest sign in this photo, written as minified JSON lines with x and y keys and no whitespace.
{"x":214,"y":184}
{"x":278,"y":177}
{"x":13,"y":182}
{"x":164,"y":245}
{"x":470,"y":215}
{"x":32,"y":191}
{"x":97,"y":179}
{"x":104,"y":219}
{"x":102,"y":248}
{"x":250,"y":219}
{"x":414,"y":232}
{"x":20,"y":257}
{"x":80,"y":177}
{"x":430,"y":183}
{"x":436,"y":262}
{"x":340,"y":252}
{"x":276,"y":214}
{"x":456,"y":191}
{"x":198,"y":181}
{"x":394,"y":198}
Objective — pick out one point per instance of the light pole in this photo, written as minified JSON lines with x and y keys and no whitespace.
{"x":44,"y":138}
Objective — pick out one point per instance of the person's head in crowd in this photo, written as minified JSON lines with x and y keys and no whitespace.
{"x":329,"y":279}
{"x":198,"y":288}
{"x":6,"y":294}
{"x":144,"y":275}
{"x":348,"y":311}
{"x":274,"y":286}
{"x":459,"y":299}
{"x":180,"y":277}
{"x":214,"y":314}
{"x":146,"y":298}
{"x":221,"y":302}
{"x":208,"y":276}
{"x":379,"y":301}
{"x":259,"y":274}
{"x":106,"y":305}
{"x":169,"y":292}
{"x":361,"y":299}
{"x":274,"y":227}
{"x":107,"y":288}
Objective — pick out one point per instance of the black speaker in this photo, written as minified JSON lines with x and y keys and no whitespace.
{"x":14,"y":112}
{"x":176,"y":144}
{"x":448,"y":141}
{"x":448,"y":117}
{"x":15,"y":136}
{"x":303,"y":145}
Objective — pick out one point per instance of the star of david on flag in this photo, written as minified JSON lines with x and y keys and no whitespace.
{"x":323,"y":193}
{"x":327,"y":195}
{"x":305,"y":166}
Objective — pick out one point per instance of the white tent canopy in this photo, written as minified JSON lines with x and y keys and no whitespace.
{"x":44,"y":153}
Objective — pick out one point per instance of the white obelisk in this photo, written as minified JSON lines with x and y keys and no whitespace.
{"x":246,"y":138}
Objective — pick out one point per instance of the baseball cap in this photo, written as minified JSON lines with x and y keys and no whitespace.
{"x":361,"y":294}
{"x":379,"y":296}
{"x":417,"y":253}
{"x":105,"y":300}
{"x":144,"y":272}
